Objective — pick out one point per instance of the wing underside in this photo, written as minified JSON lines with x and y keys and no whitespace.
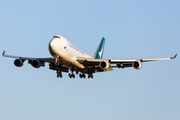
{"x":116,"y":63}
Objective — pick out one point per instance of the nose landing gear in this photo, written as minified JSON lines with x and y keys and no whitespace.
{"x":59,"y":74}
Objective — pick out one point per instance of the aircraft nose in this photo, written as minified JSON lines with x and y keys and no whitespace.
{"x":52,"y":47}
{"x":51,"y":43}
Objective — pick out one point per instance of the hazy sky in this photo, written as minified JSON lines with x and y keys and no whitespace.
{"x":132,"y":28}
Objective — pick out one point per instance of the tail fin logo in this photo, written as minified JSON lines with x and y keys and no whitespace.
{"x":100,"y":53}
{"x":100,"y":49}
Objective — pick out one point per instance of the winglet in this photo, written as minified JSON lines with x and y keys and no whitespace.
{"x":174,"y":57}
{"x":3,"y":53}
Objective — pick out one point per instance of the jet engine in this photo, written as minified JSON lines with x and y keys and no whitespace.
{"x":36,"y":63}
{"x":104,"y":65}
{"x":18,"y":63}
{"x":137,"y":64}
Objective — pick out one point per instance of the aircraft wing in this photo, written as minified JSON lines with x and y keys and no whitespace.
{"x":48,"y":60}
{"x":121,"y":63}
{"x":142,"y":60}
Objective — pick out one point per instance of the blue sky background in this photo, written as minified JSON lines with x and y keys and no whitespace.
{"x":133,"y":29}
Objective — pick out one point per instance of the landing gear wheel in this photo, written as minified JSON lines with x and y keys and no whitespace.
{"x":57,"y":75}
{"x":70,"y":75}
{"x":84,"y":76}
{"x":80,"y":75}
{"x":60,"y":75}
{"x":73,"y":75}
{"x":92,"y":76}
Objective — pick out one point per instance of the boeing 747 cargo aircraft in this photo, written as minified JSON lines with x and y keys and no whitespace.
{"x":66,"y":57}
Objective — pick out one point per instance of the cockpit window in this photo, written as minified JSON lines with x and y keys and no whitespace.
{"x":56,"y":37}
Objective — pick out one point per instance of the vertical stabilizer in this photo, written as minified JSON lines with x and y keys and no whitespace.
{"x":99,"y":52}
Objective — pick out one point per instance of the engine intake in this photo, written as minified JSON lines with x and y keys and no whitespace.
{"x":36,"y":63}
{"x":137,"y":64}
{"x":104,"y":65}
{"x":18,"y":63}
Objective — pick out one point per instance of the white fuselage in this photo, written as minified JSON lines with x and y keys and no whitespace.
{"x":61,"y":48}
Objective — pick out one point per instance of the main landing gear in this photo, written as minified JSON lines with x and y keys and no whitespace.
{"x":90,"y":76}
{"x":82,"y":75}
{"x":71,"y":75}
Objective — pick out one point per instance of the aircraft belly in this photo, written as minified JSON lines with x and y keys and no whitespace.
{"x":69,"y":62}
{"x":73,"y":65}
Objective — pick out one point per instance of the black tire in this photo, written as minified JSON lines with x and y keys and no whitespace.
{"x":70,"y":75}
{"x":57,"y":75}
{"x":80,"y":75}
{"x":92,"y":76}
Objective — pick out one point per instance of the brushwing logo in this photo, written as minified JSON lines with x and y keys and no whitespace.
{"x":100,"y":53}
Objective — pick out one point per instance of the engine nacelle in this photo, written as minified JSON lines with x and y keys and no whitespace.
{"x":137,"y":64}
{"x":104,"y":65}
{"x":36,"y":63}
{"x":18,"y":63}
